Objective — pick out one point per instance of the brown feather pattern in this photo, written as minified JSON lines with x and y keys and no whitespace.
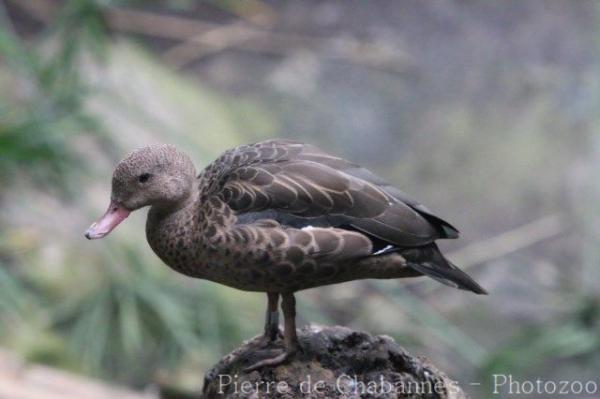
{"x":305,"y":182}
{"x":281,"y":216}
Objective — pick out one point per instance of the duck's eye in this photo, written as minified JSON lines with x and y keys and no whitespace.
{"x":143,"y":178}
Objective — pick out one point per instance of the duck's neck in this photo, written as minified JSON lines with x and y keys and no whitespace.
{"x":168,"y":223}
{"x":162,"y":212}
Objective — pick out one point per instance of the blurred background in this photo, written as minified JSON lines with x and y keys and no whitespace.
{"x":485,"y":111}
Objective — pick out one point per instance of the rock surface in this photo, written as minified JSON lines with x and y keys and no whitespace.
{"x":335,"y":362}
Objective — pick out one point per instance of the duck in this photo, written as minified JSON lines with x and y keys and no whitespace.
{"x":277,"y":217}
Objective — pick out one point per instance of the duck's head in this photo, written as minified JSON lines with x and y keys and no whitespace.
{"x":156,"y":175}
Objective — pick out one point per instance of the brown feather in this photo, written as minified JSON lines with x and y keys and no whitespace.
{"x":304,"y":181}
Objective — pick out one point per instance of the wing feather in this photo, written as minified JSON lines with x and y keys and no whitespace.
{"x":289,"y":178}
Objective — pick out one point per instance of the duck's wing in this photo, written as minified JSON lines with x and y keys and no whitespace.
{"x":336,"y":209}
{"x":300,"y":185}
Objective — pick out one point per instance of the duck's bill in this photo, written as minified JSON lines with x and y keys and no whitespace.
{"x":114,"y":215}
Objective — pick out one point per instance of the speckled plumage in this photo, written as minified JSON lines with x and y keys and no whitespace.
{"x":210,"y":237}
{"x":281,"y":216}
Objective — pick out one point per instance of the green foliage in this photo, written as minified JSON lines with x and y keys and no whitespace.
{"x":14,"y":298}
{"x":45,"y":108}
{"x":136,"y":320}
{"x":535,"y":347}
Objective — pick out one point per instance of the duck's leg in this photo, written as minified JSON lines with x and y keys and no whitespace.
{"x":288,"y":305}
{"x":272,"y":317}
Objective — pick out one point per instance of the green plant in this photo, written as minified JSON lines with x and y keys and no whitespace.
{"x":137,"y":319}
{"x":42,"y":109}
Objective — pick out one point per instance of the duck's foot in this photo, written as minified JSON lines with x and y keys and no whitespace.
{"x":272,"y":361}
{"x":288,"y":305}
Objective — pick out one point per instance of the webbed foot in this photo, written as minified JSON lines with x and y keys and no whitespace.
{"x":272,"y":361}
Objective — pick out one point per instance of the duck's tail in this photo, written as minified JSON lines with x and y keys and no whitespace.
{"x":429,"y":261}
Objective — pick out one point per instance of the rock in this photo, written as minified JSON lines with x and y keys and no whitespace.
{"x":335,"y":362}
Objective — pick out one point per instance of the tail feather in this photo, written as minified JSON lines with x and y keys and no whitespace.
{"x":432,"y":263}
